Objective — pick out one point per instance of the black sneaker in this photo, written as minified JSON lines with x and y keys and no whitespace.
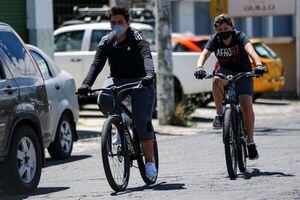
{"x":218,"y":122}
{"x":253,"y":154}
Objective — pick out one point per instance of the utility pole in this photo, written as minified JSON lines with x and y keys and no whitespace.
{"x":40,"y":24}
{"x":164,"y":78}
{"x":298,"y":47}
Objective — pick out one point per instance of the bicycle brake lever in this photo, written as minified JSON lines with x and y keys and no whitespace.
{"x":209,"y":76}
{"x":139,"y":86}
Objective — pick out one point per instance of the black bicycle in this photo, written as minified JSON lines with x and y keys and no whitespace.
{"x":234,"y":134}
{"x":120,"y":143}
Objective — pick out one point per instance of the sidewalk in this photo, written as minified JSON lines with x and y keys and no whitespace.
{"x":95,"y":125}
{"x":92,"y":120}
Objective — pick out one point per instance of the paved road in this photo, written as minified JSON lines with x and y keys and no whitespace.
{"x":192,"y":162}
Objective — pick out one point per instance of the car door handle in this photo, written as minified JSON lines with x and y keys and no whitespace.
{"x":76,"y":60}
{"x":9,"y":90}
{"x":57,"y":86}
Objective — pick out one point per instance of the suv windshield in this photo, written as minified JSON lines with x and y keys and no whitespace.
{"x":149,"y":36}
{"x":264,"y":51}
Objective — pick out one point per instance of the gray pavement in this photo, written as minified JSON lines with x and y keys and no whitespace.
{"x":192,"y":164}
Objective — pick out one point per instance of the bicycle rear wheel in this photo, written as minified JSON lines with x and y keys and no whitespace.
{"x":141,"y":160}
{"x":115,"y":154}
{"x":229,"y":132}
{"x":241,"y":146}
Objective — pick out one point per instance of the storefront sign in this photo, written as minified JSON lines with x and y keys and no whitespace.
{"x":252,"y":8}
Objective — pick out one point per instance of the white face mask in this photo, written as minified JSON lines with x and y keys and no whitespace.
{"x":118,"y":30}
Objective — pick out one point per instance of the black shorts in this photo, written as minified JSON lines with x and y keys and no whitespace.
{"x":243,"y":86}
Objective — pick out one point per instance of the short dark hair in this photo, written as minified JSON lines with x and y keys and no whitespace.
{"x":119,"y":10}
{"x":223,"y":18}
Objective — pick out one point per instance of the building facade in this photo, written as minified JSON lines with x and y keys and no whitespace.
{"x":194,"y":16}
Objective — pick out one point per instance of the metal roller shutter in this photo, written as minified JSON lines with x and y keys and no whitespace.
{"x":13,"y":12}
{"x":203,"y":22}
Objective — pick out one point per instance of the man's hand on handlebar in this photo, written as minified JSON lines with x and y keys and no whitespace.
{"x":83,"y":90}
{"x":260,"y":70}
{"x":147,"y":80}
{"x":200,"y":73}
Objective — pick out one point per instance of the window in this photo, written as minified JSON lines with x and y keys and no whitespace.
{"x":42,"y":65}
{"x":149,"y":36}
{"x":16,"y":52}
{"x":98,"y":34}
{"x":96,"y":37}
{"x":264,"y":51}
{"x":180,"y":48}
{"x":68,"y":41}
{"x":2,"y":74}
{"x":282,"y":26}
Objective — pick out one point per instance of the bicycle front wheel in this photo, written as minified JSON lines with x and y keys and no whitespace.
{"x":229,"y":132}
{"x":241,"y":147}
{"x":115,"y":154}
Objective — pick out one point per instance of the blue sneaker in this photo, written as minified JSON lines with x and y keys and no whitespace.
{"x":151,"y":171}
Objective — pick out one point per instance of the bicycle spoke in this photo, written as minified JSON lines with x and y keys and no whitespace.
{"x":116,"y":156}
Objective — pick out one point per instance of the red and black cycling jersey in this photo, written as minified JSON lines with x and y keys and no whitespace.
{"x":232,"y":56}
{"x":130,"y":58}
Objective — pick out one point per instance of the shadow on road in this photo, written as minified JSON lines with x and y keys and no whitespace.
{"x":201,"y":119}
{"x":90,"y":109}
{"x":90,"y":116}
{"x":272,"y":103}
{"x":275,"y":130}
{"x":256,"y":172}
{"x":50,"y":162}
{"x":88,"y":134}
{"x":208,"y":107}
{"x":159,"y":186}
{"x":39,"y":191}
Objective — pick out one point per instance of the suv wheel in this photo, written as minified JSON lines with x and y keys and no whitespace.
{"x":61,"y":147}
{"x":21,"y":171}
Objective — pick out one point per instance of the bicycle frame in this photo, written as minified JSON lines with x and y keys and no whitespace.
{"x":121,"y":111}
{"x":230,"y":97}
{"x":234,"y":137}
{"x":127,"y":147}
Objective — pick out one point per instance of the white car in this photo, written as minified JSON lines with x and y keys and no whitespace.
{"x":64,"y":108}
{"x":75,"y":47}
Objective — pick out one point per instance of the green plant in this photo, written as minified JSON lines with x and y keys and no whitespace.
{"x":183,"y":110}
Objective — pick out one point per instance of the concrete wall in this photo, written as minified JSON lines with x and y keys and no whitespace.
{"x":185,"y":17}
{"x":285,"y":48}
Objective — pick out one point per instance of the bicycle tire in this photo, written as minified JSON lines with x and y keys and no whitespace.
{"x":241,"y":147}
{"x":122,"y":151}
{"x":229,"y":131}
{"x":141,"y":162}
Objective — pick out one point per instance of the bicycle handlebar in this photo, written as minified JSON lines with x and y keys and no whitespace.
{"x":233,"y":78}
{"x":128,"y":86}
